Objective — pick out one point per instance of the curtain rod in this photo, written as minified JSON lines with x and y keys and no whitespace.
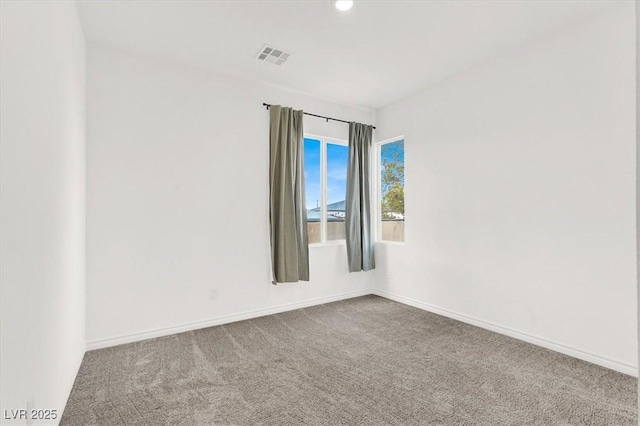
{"x":319,"y":116}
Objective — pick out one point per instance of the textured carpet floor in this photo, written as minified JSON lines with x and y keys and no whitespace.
{"x":364,"y":361}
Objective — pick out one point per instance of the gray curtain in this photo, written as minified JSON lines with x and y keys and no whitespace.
{"x":358,"y":205}
{"x":289,"y":243}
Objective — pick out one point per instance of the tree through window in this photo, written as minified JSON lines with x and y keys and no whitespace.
{"x":391,"y":191}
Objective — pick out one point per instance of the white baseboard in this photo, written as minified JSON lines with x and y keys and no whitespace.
{"x":539,"y":341}
{"x":159,"y":332}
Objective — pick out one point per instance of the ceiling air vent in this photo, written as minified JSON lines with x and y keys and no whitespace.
{"x":272,"y":55}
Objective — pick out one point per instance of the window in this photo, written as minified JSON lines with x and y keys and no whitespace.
{"x":325,"y":174}
{"x":390,"y":195}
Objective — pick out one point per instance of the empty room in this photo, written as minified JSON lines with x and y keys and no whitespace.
{"x":319,"y":212}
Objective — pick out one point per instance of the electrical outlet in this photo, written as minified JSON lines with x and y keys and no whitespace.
{"x":213,"y":294}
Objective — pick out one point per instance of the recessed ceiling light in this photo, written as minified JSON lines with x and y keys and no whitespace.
{"x":344,"y":5}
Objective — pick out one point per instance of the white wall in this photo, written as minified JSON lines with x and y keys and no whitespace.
{"x":178,"y":199}
{"x":520,"y":193}
{"x":43,"y":202}
{"x":637,"y":22}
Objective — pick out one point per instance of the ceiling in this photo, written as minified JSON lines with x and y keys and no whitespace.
{"x":373,"y":55}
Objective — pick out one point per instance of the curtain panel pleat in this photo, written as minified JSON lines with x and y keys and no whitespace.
{"x":360,"y":250}
{"x":288,"y":219}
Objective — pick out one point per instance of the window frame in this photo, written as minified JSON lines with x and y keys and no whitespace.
{"x":378,"y":191}
{"x":324,"y":140}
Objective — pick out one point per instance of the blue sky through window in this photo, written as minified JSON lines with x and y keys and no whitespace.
{"x":336,"y":172}
{"x":312,"y":172}
{"x":336,"y":169}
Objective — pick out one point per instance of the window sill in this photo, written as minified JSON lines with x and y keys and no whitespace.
{"x":392,"y":243}
{"x":329,"y":244}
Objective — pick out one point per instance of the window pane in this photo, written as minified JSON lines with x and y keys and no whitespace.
{"x":336,"y":190}
{"x":392,"y":191}
{"x":312,"y":188}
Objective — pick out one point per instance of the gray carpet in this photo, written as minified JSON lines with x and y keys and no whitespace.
{"x":364,"y":361}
